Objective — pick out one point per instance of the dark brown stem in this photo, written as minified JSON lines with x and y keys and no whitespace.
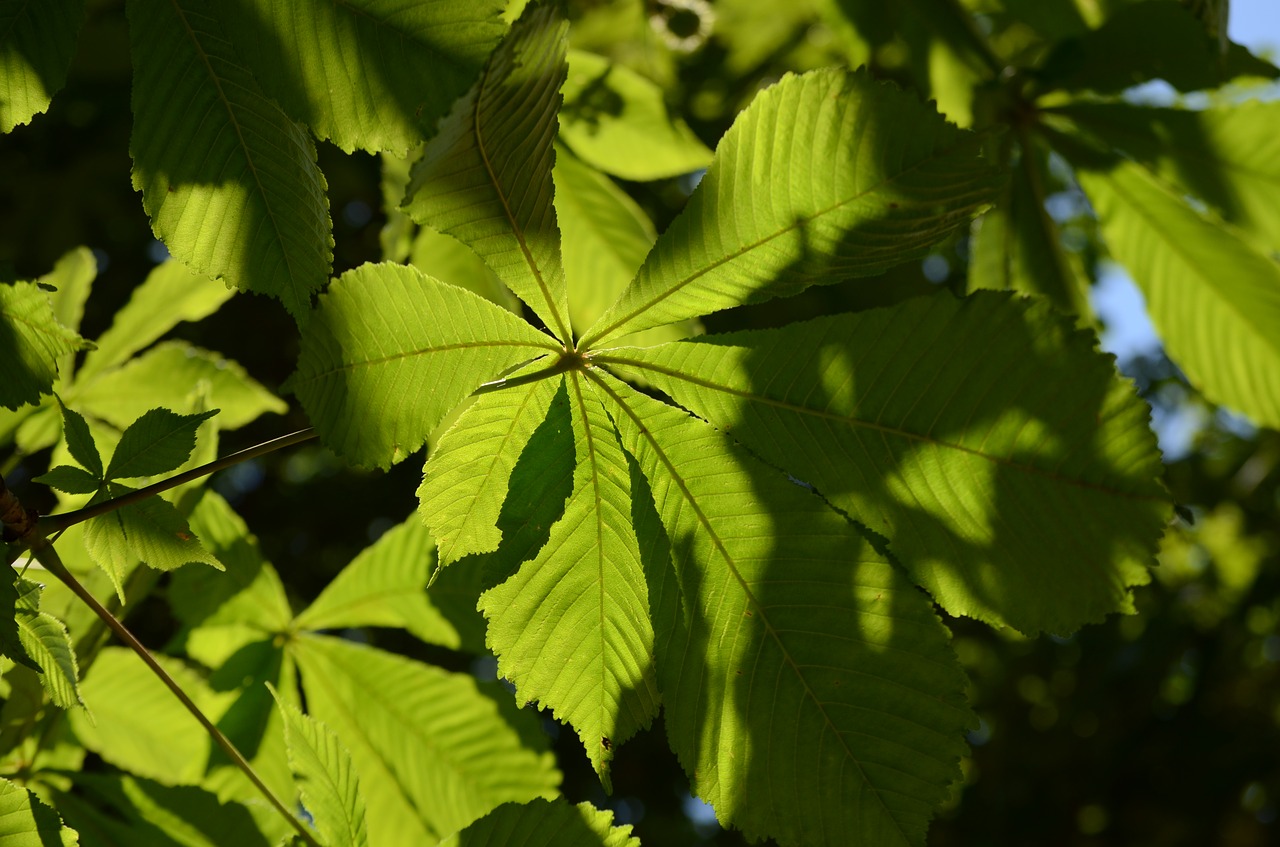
{"x":44,"y":553}
{"x":53,"y":523}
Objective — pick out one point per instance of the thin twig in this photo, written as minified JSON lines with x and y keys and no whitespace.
{"x":47,"y":556}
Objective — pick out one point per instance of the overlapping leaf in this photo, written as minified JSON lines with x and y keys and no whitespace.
{"x":431,"y":752}
{"x":372,"y":74}
{"x":229,"y":182}
{"x":389,"y":338}
{"x":32,"y":341}
{"x":1212,"y":294}
{"x":465,"y":478}
{"x":24,"y":820}
{"x":824,"y":176}
{"x":326,"y":780}
{"x":37,"y":41}
{"x":938,"y":423}
{"x":571,"y":628}
{"x":486,"y":177}
{"x":44,"y":638}
{"x":809,"y":689}
{"x":543,"y":823}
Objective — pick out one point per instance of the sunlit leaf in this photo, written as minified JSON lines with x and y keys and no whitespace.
{"x":44,"y":638}
{"x":31,"y":344}
{"x":825,"y":176}
{"x":387,"y":338}
{"x":326,"y":779}
{"x":26,"y":822}
{"x":229,"y":182}
{"x":486,"y":176}
{"x":151,"y":531}
{"x":543,"y":823}
{"x":37,"y":41}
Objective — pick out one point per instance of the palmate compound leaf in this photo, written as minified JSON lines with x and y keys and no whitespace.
{"x":369,"y":74}
{"x":544,"y":823}
{"x":1212,"y":292}
{"x":389,"y":350}
{"x":1013,"y":473}
{"x":809,"y":689}
{"x":571,"y":627}
{"x":431,"y":751}
{"x":326,"y":779}
{"x":825,"y":176}
{"x":465,"y":478}
{"x":485,"y":178}
{"x":229,"y":181}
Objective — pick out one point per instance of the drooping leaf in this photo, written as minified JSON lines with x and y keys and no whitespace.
{"x":1142,"y":41}
{"x":155,"y":443}
{"x":1017,"y":244}
{"x":1228,"y":158}
{"x":31,"y":343}
{"x":617,"y":121}
{"x":151,"y":531}
{"x":138,"y":725}
{"x":465,"y":477}
{"x":10,"y":642}
{"x":486,"y":176}
{"x":431,"y":752}
{"x":37,"y":41}
{"x":1212,"y":294}
{"x":386,"y":585}
{"x":165,"y":376}
{"x":26,"y":822}
{"x":809,"y":689}
{"x":570,"y":628}
{"x":368,"y":75}
{"x":326,"y":779}
{"x":80,"y":441}
{"x":544,"y":823}
{"x":978,"y":461}
{"x":45,"y":640}
{"x":825,"y":176}
{"x":169,"y":295}
{"x":387,"y":338}
{"x":229,"y":182}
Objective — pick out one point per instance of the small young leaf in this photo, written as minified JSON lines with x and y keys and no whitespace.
{"x":541,"y":823}
{"x":326,"y":779}
{"x":10,"y":642}
{"x":486,"y":177}
{"x":24,"y":821}
{"x":80,"y":441}
{"x":157,"y":442}
{"x":70,"y":479}
{"x":152,"y":531}
{"x":45,"y":640}
{"x":31,"y":343}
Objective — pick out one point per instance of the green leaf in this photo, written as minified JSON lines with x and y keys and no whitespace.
{"x":37,"y":41}
{"x":386,"y":585}
{"x":165,"y":376}
{"x":80,"y":441}
{"x":486,"y":177}
{"x":230,"y":183}
{"x":10,"y":641}
{"x":26,"y":822}
{"x":370,"y":75}
{"x":72,"y":277}
{"x":31,"y":343}
{"x":542,"y":823}
{"x":1017,"y":244}
{"x":809,"y":689}
{"x":449,"y":260}
{"x":432,"y":753}
{"x":44,"y":638}
{"x":804,"y":191}
{"x":979,"y":462}
{"x":465,"y":478}
{"x":606,"y":237}
{"x":169,"y":295}
{"x":617,"y":121}
{"x":570,"y":629}
{"x":389,"y":351}
{"x":70,"y":479}
{"x":1228,"y":158}
{"x":1143,"y":41}
{"x":157,"y":442}
{"x":152,"y":531}
{"x":326,"y":779}
{"x":138,"y":725}
{"x":1213,"y":296}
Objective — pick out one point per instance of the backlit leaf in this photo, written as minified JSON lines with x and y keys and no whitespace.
{"x":326,"y":779}
{"x":544,"y":823}
{"x":26,"y":822}
{"x":37,"y":41}
{"x":31,"y":343}
{"x":45,"y":640}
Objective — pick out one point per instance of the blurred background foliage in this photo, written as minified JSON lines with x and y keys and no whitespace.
{"x":1161,"y":728}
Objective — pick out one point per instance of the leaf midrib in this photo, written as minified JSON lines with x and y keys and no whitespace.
{"x":423,"y":351}
{"x":876,"y":427}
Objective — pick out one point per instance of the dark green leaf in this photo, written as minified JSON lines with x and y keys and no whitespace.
{"x":544,"y":823}
{"x":70,"y":479}
{"x":157,"y":442}
{"x":80,"y":441}
{"x":37,"y":41}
